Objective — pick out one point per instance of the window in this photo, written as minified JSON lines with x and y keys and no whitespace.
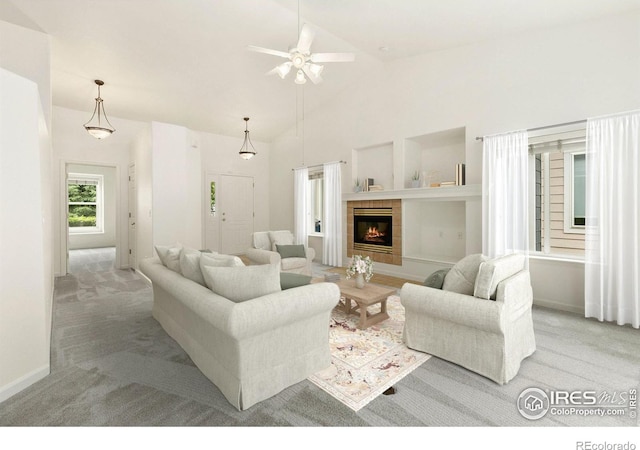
{"x":85,"y":203}
{"x":316,"y":202}
{"x":574,"y":191}
{"x":559,"y":187}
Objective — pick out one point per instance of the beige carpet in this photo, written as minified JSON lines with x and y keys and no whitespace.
{"x":365,"y":363}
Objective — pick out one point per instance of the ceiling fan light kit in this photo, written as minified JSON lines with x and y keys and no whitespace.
{"x":301,"y":58}
{"x":96,"y":128}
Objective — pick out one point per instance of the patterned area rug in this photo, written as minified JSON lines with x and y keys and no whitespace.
{"x":367,"y":362}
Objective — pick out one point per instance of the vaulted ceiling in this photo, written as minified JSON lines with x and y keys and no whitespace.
{"x":186,"y":61}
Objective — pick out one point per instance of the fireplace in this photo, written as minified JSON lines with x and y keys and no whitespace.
{"x":373,"y":229}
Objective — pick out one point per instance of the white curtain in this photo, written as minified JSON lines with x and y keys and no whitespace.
{"x":612,"y":240}
{"x":505,"y":213}
{"x":301,"y":205}
{"x":332,"y":241}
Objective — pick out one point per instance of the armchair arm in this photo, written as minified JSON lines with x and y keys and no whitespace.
{"x":458,"y":308}
{"x":310,"y":253}
{"x":516,"y":294}
{"x":260,"y":256}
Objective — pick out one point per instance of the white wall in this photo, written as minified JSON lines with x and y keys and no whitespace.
{"x":535,"y":79}
{"x":26,"y":52}
{"x":26,"y":277}
{"x":106,"y":238}
{"x":141,"y":157}
{"x":176,"y":181}
{"x":220,"y":156}
{"x":73,"y":145}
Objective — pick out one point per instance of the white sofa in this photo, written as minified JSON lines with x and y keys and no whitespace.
{"x":264,"y":251}
{"x":250,"y":350}
{"x":480,"y":319}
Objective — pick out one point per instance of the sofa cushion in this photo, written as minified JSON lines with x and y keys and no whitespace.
{"x":190,"y":265}
{"x":293,"y":263}
{"x":462,"y":276}
{"x":494,"y":271}
{"x":239,"y":284}
{"x":291,"y":251}
{"x":282,"y":237}
{"x":436,"y":279}
{"x":261,"y":240}
{"x":170,"y":256}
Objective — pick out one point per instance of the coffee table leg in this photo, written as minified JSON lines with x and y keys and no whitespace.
{"x":363,"y":317}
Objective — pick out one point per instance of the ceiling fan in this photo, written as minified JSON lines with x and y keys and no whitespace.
{"x":301,"y":58}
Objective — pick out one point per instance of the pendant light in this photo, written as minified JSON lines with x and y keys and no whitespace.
{"x":247,"y":151}
{"x":97,"y":128}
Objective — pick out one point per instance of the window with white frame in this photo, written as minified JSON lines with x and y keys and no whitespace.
{"x":559,"y":185}
{"x":85,"y":204}
{"x":316,"y":202}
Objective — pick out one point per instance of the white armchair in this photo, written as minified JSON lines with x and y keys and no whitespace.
{"x":486,"y":326}
{"x":264,"y":251}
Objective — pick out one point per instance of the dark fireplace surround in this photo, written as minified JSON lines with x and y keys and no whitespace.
{"x":374,"y":229}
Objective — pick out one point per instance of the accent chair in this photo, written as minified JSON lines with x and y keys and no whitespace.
{"x":480,"y":319}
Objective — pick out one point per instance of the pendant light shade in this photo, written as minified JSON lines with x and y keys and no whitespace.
{"x":247,"y":151}
{"x":99,"y":126}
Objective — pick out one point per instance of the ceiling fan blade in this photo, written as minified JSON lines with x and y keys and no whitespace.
{"x":268,"y":51}
{"x":314,"y":78}
{"x":332,"y":57}
{"x":306,"y":38}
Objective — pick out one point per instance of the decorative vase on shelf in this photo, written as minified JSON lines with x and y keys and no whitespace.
{"x":415,"y":183}
{"x":360,"y":281}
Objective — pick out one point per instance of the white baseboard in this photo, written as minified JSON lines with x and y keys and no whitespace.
{"x":23,"y":382}
{"x":144,"y":277}
{"x":551,"y":304}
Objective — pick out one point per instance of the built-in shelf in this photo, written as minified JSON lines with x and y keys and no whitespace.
{"x":447,"y":193}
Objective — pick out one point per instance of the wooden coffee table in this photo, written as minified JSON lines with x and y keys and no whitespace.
{"x":369,"y":295}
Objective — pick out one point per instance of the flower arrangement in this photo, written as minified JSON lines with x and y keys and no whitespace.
{"x":358,"y":264}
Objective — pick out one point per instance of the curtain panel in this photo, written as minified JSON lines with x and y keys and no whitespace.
{"x":332,"y":241}
{"x":301,"y":207}
{"x":612,"y":235}
{"x":505,"y":211}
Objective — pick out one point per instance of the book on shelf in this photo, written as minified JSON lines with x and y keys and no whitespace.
{"x":368,"y":182}
{"x":460,"y":175}
{"x":376,"y":187}
{"x":447,"y":183}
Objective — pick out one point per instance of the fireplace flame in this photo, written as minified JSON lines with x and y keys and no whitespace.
{"x":373,"y":233}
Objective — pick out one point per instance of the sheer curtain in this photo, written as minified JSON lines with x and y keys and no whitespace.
{"x":332,"y":242}
{"x":505,"y":213}
{"x":612,"y":239}
{"x":301,"y":205}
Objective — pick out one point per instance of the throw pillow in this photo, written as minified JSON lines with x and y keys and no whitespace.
{"x":239,"y":284}
{"x":291,"y":280}
{"x":291,"y":251}
{"x":282,"y":237}
{"x":494,"y":271}
{"x":190,"y":265}
{"x":218,"y":260}
{"x":170,"y":256}
{"x":436,"y":279}
{"x":462,"y":276}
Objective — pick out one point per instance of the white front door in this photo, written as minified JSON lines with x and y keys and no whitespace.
{"x":234,"y":210}
{"x":132,"y":216}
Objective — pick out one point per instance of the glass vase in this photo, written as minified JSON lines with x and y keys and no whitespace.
{"x":359,"y":281}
